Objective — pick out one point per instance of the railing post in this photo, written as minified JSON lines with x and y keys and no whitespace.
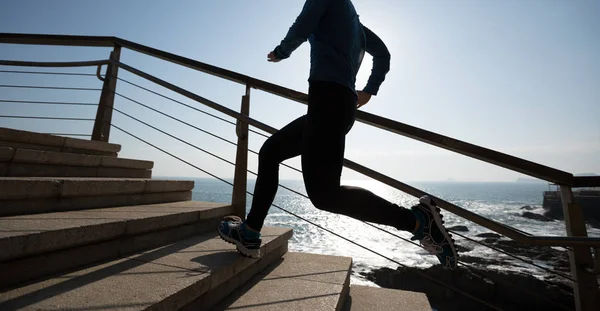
{"x":102,"y":123}
{"x":240,"y":179}
{"x":585,"y":287}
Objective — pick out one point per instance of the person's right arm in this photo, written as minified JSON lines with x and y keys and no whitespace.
{"x":304,"y":25}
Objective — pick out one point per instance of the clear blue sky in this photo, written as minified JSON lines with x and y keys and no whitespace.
{"x":521,"y":77}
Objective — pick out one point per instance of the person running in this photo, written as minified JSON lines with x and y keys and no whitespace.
{"x":338,"y":42}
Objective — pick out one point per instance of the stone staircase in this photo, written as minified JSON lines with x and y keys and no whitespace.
{"x":81,"y":229}
{"x":28,"y":154}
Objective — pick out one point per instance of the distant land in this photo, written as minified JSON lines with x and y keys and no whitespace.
{"x":530,"y":180}
{"x":535,"y":180}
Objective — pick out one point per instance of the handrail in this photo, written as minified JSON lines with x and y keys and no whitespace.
{"x":470,"y":150}
{"x":53,"y":64}
{"x":214,"y":70}
{"x":513,"y":233}
{"x":49,"y":87}
{"x":67,"y":40}
{"x":480,"y":153}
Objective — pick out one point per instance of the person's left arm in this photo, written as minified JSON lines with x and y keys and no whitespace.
{"x":381,"y":61}
{"x":381,"y":66}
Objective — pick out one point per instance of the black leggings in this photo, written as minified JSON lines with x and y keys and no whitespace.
{"x":319,"y":136}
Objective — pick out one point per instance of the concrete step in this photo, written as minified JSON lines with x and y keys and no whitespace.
{"x":22,"y":195}
{"x":31,"y":140}
{"x":37,"y":245}
{"x":196,"y":272}
{"x":16,"y":162}
{"x":300,"y":281}
{"x":366,"y":298}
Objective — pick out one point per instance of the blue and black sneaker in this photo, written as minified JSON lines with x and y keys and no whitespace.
{"x":431,"y":233}
{"x":234,"y":231}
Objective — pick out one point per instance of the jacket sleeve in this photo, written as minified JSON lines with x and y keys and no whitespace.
{"x":381,"y":61}
{"x":304,"y":25}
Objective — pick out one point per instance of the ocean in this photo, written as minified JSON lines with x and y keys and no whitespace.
{"x":501,"y":202}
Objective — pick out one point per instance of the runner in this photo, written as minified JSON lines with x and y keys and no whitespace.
{"x":338,"y":43}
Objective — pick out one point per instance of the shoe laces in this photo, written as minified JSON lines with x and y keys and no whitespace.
{"x":430,"y":246}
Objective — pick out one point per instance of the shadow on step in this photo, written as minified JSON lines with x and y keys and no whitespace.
{"x":272,"y":280}
{"x":198,"y":271}
{"x":78,"y":281}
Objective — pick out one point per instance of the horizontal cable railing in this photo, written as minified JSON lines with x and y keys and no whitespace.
{"x":472,"y":269}
{"x":510,"y":232}
{"x":195,"y":127}
{"x":287,"y":166}
{"x":23,"y":114}
{"x":186,"y":105}
{"x":69,"y":134}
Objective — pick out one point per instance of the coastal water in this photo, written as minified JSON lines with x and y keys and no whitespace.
{"x":501,"y":202}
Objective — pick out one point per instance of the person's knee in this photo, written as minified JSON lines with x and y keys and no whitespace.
{"x":269,"y":152}
{"x":324,"y":200}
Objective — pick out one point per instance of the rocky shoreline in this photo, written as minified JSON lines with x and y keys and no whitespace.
{"x":508,"y":290}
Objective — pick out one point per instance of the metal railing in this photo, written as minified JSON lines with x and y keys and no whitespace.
{"x":481,"y":274}
{"x":454,"y":288}
{"x":582,"y":263}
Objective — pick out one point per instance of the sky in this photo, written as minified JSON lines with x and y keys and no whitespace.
{"x":519,"y":77}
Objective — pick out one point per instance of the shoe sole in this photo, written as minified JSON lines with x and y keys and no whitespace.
{"x":246,"y":252}
{"x":437,"y":217}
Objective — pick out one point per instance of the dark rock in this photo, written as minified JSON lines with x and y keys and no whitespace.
{"x":527,"y":207}
{"x":463,"y":249}
{"x":559,"y":259}
{"x":551,"y":256}
{"x":594,"y":223}
{"x":535,"y":216}
{"x":478,"y":260}
{"x":489,"y":235}
{"x":554,"y":214}
{"x":501,"y":289}
{"x":459,"y":228}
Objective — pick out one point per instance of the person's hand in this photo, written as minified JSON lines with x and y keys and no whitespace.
{"x":272,"y":58}
{"x":363,"y":99}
